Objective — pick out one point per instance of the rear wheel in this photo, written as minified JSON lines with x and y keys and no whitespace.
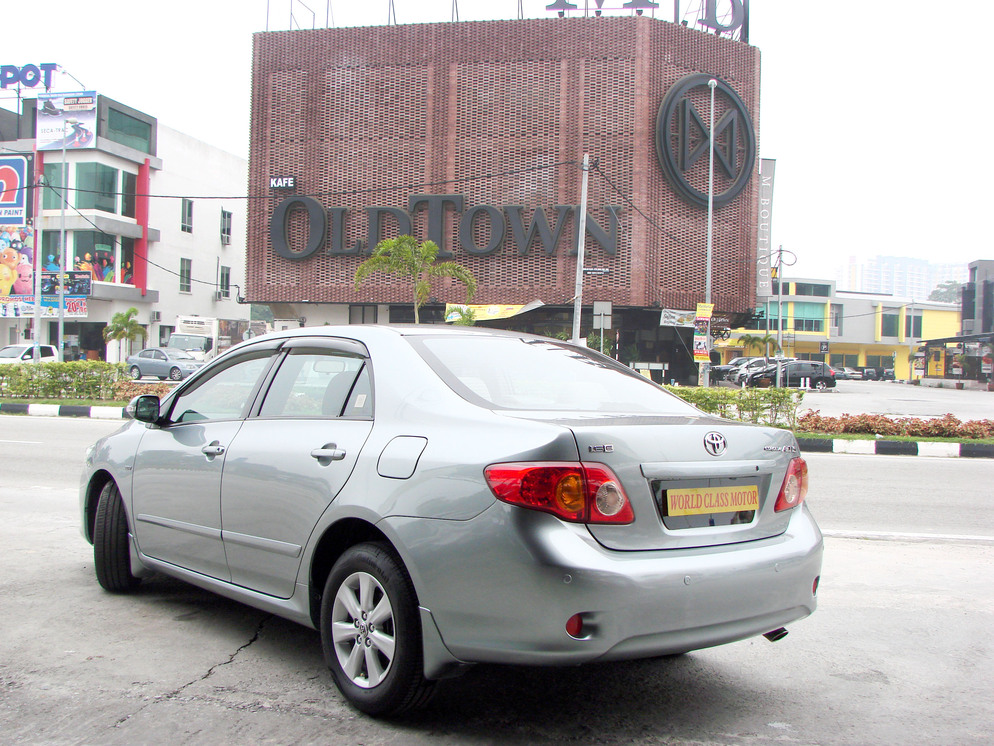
{"x":371,"y":632}
{"x":135,"y":372}
{"x":111,"y":545}
{"x":175,"y":374}
{"x":820,"y":383}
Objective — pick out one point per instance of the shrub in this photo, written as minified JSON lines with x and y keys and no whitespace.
{"x":81,"y":379}
{"x":946,"y":426}
{"x":764,"y":406}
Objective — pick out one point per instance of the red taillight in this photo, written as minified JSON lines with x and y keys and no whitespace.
{"x":794,"y":487}
{"x":574,"y":626}
{"x":580,"y":493}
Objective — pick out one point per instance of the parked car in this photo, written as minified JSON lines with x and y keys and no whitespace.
{"x":431,"y":498}
{"x":24,"y":353}
{"x":720,"y":372}
{"x":808,"y":373}
{"x":870,"y":374}
{"x":742,"y":373}
{"x":163,"y":363}
{"x":850,"y":374}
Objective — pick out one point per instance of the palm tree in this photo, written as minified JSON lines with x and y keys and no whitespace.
{"x":414,"y":262}
{"x":122,"y":327}
{"x":761,"y":343}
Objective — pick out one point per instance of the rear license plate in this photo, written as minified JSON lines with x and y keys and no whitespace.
{"x":701,"y":500}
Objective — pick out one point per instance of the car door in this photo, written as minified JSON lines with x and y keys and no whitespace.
{"x":291,"y":458}
{"x":176,"y":483}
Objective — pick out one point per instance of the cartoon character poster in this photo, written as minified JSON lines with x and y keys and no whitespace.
{"x":16,"y":260}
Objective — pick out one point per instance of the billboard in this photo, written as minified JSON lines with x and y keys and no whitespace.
{"x":15,"y":178}
{"x":67,"y":120}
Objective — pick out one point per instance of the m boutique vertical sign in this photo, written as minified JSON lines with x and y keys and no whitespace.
{"x":764,"y":284}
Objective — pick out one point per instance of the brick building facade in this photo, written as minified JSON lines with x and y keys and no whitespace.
{"x":493,"y":119}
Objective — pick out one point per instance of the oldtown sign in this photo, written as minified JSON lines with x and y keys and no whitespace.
{"x":326,"y":228}
{"x":682,"y":138}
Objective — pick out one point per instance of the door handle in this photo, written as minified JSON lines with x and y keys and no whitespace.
{"x":328,"y":454}
{"x":214,"y":449}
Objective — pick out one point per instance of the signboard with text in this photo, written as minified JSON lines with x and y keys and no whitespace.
{"x":67,"y":120}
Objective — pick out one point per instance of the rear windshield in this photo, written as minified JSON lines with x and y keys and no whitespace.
{"x":536,"y":374}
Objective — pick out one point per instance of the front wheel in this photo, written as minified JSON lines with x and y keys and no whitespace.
{"x":371,"y":632}
{"x":111,"y":545}
{"x":135,"y":372}
{"x":175,"y":374}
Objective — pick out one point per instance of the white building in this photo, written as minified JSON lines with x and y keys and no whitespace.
{"x":155,"y":218}
{"x":898,"y":275}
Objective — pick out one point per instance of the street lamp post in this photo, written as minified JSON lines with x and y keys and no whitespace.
{"x":705,"y":376}
{"x":578,"y":296}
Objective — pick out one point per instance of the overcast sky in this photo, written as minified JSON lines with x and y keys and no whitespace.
{"x":876,"y":111}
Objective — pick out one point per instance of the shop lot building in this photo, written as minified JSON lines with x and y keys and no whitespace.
{"x":845,"y":328}
{"x":145,"y":220}
{"x":472,"y":135}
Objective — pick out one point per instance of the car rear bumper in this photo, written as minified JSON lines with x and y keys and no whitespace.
{"x":510,"y":601}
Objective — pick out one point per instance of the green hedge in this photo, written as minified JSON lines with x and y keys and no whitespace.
{"x":83,"y":379}
{"x":770,"y":406}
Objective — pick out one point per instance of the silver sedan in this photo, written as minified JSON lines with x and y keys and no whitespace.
{"x":429,"y":498}
{"x":162,"y":362}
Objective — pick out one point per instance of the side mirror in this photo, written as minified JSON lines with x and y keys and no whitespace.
{"x":144,"y":408}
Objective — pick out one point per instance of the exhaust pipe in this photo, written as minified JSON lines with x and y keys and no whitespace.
{"x":776,"y":635}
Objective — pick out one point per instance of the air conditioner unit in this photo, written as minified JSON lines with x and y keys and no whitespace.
{"x":225,"y":239}
{"x":156,"y":317}
{"x":218,"y":295}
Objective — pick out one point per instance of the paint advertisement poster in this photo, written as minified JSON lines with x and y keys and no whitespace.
{"x":15,"y":178}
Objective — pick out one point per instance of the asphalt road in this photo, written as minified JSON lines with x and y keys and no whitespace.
{"x":900,"y":400}
{"x":899,"y":651}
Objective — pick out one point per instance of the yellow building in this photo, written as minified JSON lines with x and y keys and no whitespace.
{"x":845,"y":328}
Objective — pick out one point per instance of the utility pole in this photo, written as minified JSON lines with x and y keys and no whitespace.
{"x":578,"y":297}
{"x":705,"y":376}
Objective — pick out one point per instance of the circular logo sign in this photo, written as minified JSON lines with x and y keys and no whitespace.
{"x":683,"y":135}
{"x":714,"y":443}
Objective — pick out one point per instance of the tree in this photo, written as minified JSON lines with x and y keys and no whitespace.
{"x":405,"y":257}
{"x":122,"y":327}
{"x":761,"y":343}
{"x":947,"y":292}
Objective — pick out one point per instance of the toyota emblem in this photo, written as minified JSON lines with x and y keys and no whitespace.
{"x":714,"y":443}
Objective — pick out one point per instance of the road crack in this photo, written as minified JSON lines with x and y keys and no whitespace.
{"x":210,"y":672}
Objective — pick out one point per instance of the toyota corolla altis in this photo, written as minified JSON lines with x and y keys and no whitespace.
{"x":429,"y":498}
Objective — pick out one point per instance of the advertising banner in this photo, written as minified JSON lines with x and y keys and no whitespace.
{"x":23,"y":306}
{"x":17,"y":255}
{"x":75,"y":283}
{"x":15,"y":178}
{"x":702,"y":323}
{"x":764,"y":285}
{"x":67,"y":120}
{"x":488,"y":312}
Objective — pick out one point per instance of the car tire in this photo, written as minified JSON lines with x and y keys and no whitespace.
{"x":820,"y":383}
{"x":135,"y":372}
{"x":175,"y":374}
{"x":371,"y":632}
{"x":111,"y":544}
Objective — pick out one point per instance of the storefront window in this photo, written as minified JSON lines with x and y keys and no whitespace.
{"x":96,"y":187}
{"x":127,"y":260}
{"x":129,"y":131}
{"x":52,"y":195}
{"x":94,"y":252}
{"x":129,"y":188}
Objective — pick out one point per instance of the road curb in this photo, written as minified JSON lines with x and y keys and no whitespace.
{"x":63,"y":410}
{"x":810,"y":445}
{"x":897,"y":448}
